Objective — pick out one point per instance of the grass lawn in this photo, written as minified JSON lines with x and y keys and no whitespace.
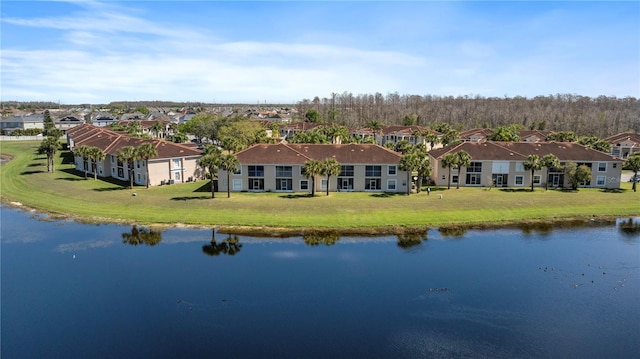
{"x":25,"y":179}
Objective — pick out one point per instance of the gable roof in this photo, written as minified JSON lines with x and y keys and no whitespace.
{"x":624,"y":137}
{"x":110,"y":142}
{"x":282,"y":153}
{"x":518,"y":151}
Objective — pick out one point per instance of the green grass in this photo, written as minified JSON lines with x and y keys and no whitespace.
{"x":25,"y":179}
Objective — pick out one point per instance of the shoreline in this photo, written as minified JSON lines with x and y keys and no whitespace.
{"x":285,"y":232}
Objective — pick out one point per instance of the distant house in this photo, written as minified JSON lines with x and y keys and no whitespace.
{"x":175,"y":163}
{"x":501,"y":164}
{"x":10,"y":124}
{"x":67,"y":122}
{"x":102,"y":119}
{"x":624,"y":144}
{"x":279,"y":168}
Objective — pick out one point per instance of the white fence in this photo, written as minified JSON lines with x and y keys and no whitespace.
{"x":22,"y":138}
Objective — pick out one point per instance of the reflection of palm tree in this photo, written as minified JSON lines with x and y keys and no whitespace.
{"x":454,"y":232}
{"x":141,"y":236}
{"x":408,"y":240}
{"x":629,"y":227}
{"x":316,"y":238}
{"x":229,"y":246}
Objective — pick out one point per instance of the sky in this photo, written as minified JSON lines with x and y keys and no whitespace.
{"x":76,"y":52}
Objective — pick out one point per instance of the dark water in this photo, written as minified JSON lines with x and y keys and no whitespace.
{"x":88,"y":291}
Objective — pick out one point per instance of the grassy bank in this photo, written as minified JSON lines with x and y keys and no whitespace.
{"x":25,"y":179}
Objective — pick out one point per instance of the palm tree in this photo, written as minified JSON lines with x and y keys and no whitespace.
{"x":549,"y":161}
{"x":424,"y":168}
{"x":330,"y":167}
{"x":156,"y":128}
{"x":211,"y":162}
{"x":96,"y":154}
{"x":146,"y":151}
{"x":311,"y":169}
{"x":128,"y":155}
{"x":633,"y":163}
{"x":450,"y":160}
{"x":50,"y":146}
{"x":375,"y":126}
{"x":83,"y":152}
{"x":229,"y":163}
{"x":532,"y":164}
{"x":464,"y":160}
{"x":409,"y":162}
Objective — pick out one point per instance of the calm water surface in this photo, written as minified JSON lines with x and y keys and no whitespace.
{"x":108,"y":291}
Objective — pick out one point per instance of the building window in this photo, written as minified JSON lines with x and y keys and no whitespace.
{"x":176,"y":163}
{"x":520,"y":166}
{"x":323,"y":184}
{"x":474,"y":167}
{"x":304,"y":185}
{"x":177,"y":176}
{"x":120,"y":172}
{"x":615,"y":165}
{"x":391,"y":185}
{"x":284,"y":171}
{"x":600,"y":181}
{"x":238,"y":170}
{"x":519,"y":180}
{"x":602,"y":167}
{"x":346,"y":171}
{"x":373,"y":171}
{"x":256,"y":171}
{"x":454,"y":179}
{"x":393,"y":171}
{"x":537,"y":179}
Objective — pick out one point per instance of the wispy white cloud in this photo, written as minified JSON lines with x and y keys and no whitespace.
{"x":110,"y":51}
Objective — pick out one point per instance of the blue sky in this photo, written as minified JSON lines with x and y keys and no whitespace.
{"x":238,"y":51}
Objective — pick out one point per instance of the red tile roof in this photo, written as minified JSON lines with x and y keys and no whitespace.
{"x":282,"y":153}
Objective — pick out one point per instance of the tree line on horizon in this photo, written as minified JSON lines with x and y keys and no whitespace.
{"x":600,"y":116}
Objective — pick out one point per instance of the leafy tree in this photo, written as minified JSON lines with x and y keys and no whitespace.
{"x":229,"y":163}
{"x":313,"y":116}
{"x":83,"y":152}
{"x":549,"y":161}
{"x":409,"y":162}
{"x":211,"y":162}
{"x":633,"y":164}
{"x":330,"y":167}
{"x":450,"y":160}
{"x":577,"y":174}
{"x":311,"y":169}
{"x":463,"y":160}
{"x":508,"y":133}
{"x":48,"y":123}
{"x":594,"y":142}
{"x":449,"y":134}
{"x":144,"y":152}
{"x":96,"y":155}
{"x":410,"y":120}
{"x":50,"y":147}
{"x":127,"y":155}
{"x":562,"y":136}
{"x":403,"y":146}
{"x":533,"y":163}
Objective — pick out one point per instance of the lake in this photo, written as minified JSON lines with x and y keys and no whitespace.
{"x":74,"y":290}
